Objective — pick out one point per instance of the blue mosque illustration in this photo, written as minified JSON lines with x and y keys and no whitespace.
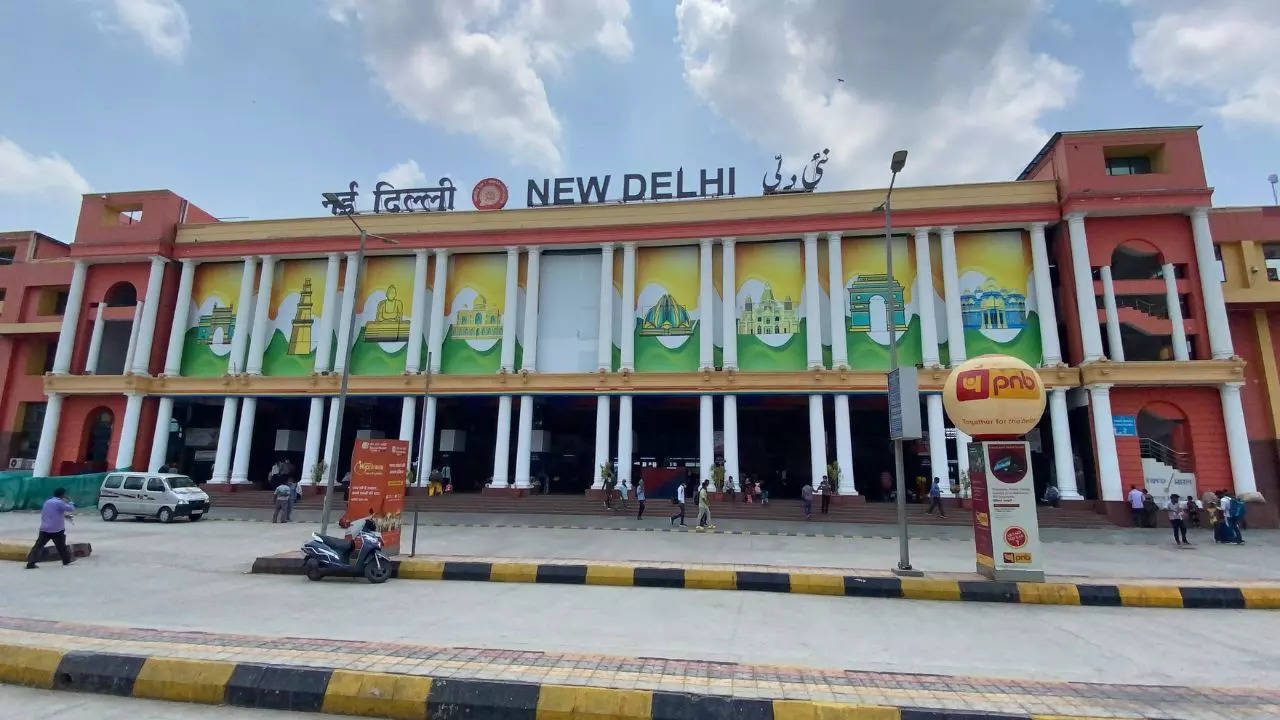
{"x":992,"y":307}
{"x":862,"y":288}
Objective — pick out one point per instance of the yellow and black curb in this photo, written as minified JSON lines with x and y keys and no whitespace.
{"x":1253,"y":597}
{"x":18,"y":552}
{"x":383,"y":695}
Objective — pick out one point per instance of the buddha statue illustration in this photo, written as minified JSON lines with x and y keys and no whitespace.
{"x":389,"y":323}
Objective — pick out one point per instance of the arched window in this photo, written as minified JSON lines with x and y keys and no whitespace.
{"x":122,"y":294}
{"x":1136,"y":260}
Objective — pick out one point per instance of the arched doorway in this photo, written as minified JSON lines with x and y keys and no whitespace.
{"x":1164,"y":440}
{"x":97,"y":442}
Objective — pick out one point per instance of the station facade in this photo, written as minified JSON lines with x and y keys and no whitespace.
{"x":665,"y":337}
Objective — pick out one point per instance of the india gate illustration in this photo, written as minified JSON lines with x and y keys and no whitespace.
{"x":478,"y":322}
{"x":389,"y":323}
{"x":300,"y":333}
{"x":666,"y":317}
{"x":221,"y":318}
{"x":769,"y":316}
{"x":862,"y":288}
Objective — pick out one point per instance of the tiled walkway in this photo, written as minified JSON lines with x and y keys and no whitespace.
{"x":659,"y":674}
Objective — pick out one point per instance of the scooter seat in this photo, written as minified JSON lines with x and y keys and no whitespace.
{"x":340,"y":545}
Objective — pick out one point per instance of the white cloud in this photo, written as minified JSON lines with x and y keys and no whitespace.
{"x":477,"y":67}
{"x":404,"y":175}
{"x":162,"y":25}
{"x":24,"y":174}
{"x":1220,"y":55}
{"x":961,"y":90}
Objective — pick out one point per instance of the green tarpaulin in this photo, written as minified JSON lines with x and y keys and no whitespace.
{"x":20,"y":491}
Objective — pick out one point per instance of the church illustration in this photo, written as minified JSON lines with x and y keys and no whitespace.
{"x":389,"y":323}
{"x":862,"y":289}
{"x":303,"y":319}
{"x":769,"y":316}
{"x":666,"y":317}
{"x":222,"y":317}
{"x":992,"y":307}
{"x":478,"y":322}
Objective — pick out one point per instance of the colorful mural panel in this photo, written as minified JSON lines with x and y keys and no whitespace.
{"x":477,"y":299}
{"x":667,"y":313}
{"x":771,"y":323}
{"x":294,"y":312}
{"x":996,"y":302}
{"x":211,"y":319}
{"x":382,"y":316}
{"x":866,"y":297}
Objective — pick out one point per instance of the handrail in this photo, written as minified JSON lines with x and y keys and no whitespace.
{"x":1180,"y":461}
{"x":1140,"y":304}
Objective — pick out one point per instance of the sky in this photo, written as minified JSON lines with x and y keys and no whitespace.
{"x":252,"y":109}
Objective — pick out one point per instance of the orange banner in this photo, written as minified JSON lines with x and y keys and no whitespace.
{"x":378,"y":472}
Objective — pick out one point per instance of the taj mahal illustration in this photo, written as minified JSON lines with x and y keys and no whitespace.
{"x":862,"y":289}
{"x":478,"y":322}
{"x":769,"y":316}
{"x":666,"y":317}
{"x":992,"y":307}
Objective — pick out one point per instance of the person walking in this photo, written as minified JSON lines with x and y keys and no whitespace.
{"x":622,"y":493}
{"x":1234,"y":513}
{"x":1177,"y":519}
{"x":53,"y":526}
{"x":1135,"y":505}
{"x":825,"y":490}
{"x":704,"y":507}
{"x":640,"y":498}
{"x":679,"y":501}
{"x":806,"y":497}
{"x":935,"y":499}
{"x":284,"y":502}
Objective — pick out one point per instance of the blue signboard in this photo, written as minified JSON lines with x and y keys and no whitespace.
{"x":1125,"y":425}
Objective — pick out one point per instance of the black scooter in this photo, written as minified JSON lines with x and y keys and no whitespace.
{"x":325,"y":555}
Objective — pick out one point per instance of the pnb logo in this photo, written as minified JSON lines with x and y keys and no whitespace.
{"x":985,"y":384}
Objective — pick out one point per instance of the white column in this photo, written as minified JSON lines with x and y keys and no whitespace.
{"x":132,"y":345}
{"x":48,"y":436}
{"x":95,"y":343}
{"x":962,"y":455}
{"x":328,"y":314}
{"x":70,"y":316}
{"x":1114,"y":340}
{"x":524,"y":441}
{"x":259,"y":338}
{"x":602,"y":440}
{"x":1104,"y":435}
{"x":426,"y":451}
{"x":1086,"y":297}
{"x":178,"y":328}
{"x":160,"y":440}
{"x":315,"y":432}
{"x":344,"y":314}
{"x":129,"y":431}
{"x":817,"y":440}
{"x":706,"y":438}
{"x":244,"y":441}
{"x":435,"y":330}
{"x":244,"y":308}
{"x":1237,"y":439}
{"x":502,"y":444}
{"x":706,"y":304}
{"x":951,"y":296}
{"x":812,"y":310}
{"x":835,"y":288}
{"x":731,"y":469}
{"x":1064,"y":463}
{"x":1051,"y":348}
{"x":417,"y":313}
{"x":1215,"y":308}
{"x":628,"y":347}
{"x":604,"y":345}
{"x":226,"y":440}
{"x":332,"y":438}
{"x":729,"y":307}
{"x":624,"y":440}
{"x":408,"y":409}
{"x":147,"y":330}
{"x":509,"y":318}
{"x":938,"y":443}
{"x":924,"y":301}
{"x":532,"y":282}
{"x":1171,"y":298}
{"x":844,"y":446}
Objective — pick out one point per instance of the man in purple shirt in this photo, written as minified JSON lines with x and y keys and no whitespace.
{"x":53,"y":526}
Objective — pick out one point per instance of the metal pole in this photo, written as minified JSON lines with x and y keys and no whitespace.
{"x":904,"y":553}
{"x":342,"y":387}
{"x":422,"y":453}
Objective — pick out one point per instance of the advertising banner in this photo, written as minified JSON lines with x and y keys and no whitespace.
{"x":866,"y":296}
{"x":474,"y":313}
{"x":293,"y":315}
{"x":378,"y":472}
{"x":1006,"y":530}
{"x":211,"y":319}
{"x":997,"y":305}
{"x":667,"y":317}
{"x":771,"y":322}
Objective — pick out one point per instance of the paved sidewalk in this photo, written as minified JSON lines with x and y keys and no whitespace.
{"x":653,"y":680}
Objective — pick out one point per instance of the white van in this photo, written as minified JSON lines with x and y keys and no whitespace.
{"x":159,"y":495}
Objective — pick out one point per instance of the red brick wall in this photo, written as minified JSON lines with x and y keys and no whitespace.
{"x":1202,"y":407}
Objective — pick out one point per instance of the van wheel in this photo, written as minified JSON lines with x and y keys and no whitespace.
{"x":108,"y":513}
{"x":165,"y":515}
{"x":196,"y":517}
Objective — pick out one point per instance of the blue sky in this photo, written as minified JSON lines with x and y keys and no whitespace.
{"x":252,"y":109}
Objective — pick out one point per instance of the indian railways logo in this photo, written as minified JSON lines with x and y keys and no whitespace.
{"x":996,"y":383}
{"x":489,"y":194}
